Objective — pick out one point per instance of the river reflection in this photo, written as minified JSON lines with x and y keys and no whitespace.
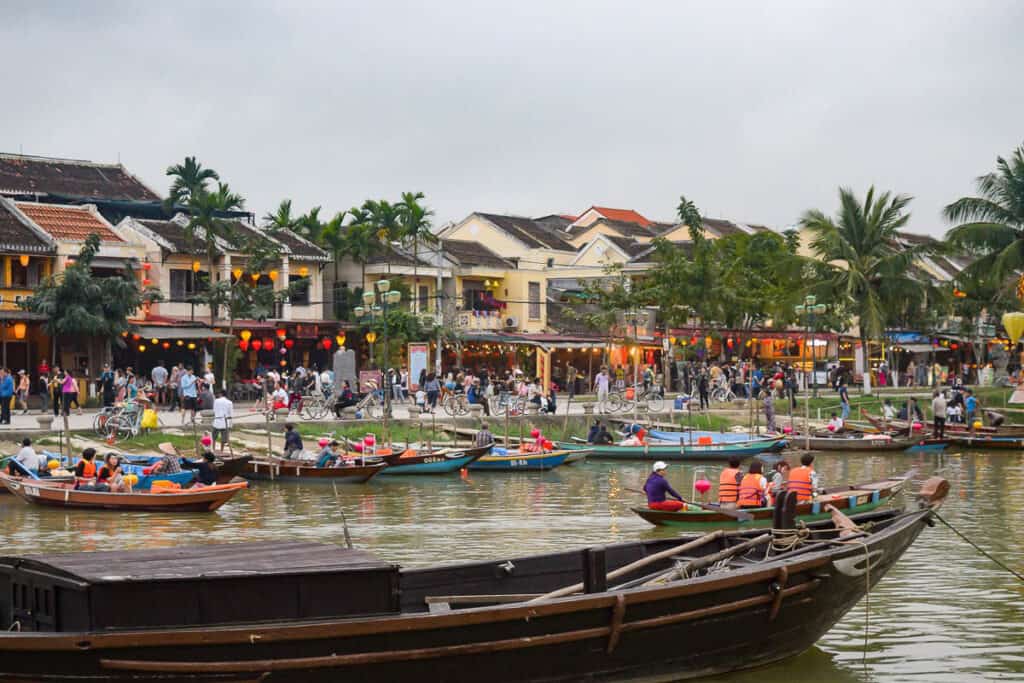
{"x":943,"y":614}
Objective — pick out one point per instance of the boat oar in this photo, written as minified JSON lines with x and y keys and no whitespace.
{"x":738,"y":515}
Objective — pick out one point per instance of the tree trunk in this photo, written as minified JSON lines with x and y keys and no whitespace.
{"x":415,"y":274}
{"x":866,"y":355}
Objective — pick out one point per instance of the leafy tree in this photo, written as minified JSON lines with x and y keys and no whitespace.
{"x":207,"y":226}
{"x":362,"y":240}
{"x":190,"y":178}
{"x":284,"y":219}
{"x":604,"y":303}
{"x":689,"y":214}
{"x":991,"y":226}
{"x":385,"y":218}
{"x":868,"y":269}
{"x":414,"y":226}
{"x":78,"y":305}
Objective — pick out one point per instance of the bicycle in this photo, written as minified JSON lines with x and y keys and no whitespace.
{"x":456,"y":405}
{"x":722,"y":394}
{"x":99,"y":423}
{"x":314,"y":407}
{"x":508,"y":402}
{"x":127,"y":422}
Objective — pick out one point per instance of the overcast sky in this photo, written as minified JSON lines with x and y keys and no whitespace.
{"x":754,"y":110}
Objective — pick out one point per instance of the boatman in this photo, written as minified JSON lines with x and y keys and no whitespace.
{"x":658,"y":490}
{"x":803,"y":479}
{"x":729,"y":483}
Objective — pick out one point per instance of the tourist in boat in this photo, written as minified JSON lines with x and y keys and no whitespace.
{"x":888,"y":410}
{"x":658,"y":490}
{"x":780,"y":472}
{"x":85,"y":471}
{"x":603,"y":437}
{"x":636,"y":436}
{"x":110,"y":477}
{"x":292,"y":441}
{"x":939,"y":414}
{"x":328,"y":454}
{"x":970,"y":408}
{"x":753,"y":487}
{"x":592,"y":433}
{"x":836,"y":424}
{"x":206,"y":470}
{"x":484,"y":437}
{"x":803,"y":479}
{"x":729,"y":483}
{"x":27,"y":458}
{"x":170,"y":463}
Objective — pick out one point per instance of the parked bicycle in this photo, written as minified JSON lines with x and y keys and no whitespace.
{"x":456,"y":405}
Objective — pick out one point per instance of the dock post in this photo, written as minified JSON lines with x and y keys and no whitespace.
{"x":595,"y":570}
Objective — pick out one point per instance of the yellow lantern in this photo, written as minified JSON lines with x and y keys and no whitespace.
{"x":1014,"y":325}
{"x":142,"y":347}
{"x":340,"y":339}
{"x":19,"y":330}
{"x":154,"y":341}
{"x":273,"y":276}
{"x":303,"y":271}
{"x":246,"y":335}
{"x":196,"y":266}
{"x":191,"y":346}
{"x":707,"y":342}
{"x":672,"y":340}
{"x":237,"y":272}
{"x":181,"y":343}
{"x":255,"y":277}
{"x":371,"y":337}
{"x":23,"y":260}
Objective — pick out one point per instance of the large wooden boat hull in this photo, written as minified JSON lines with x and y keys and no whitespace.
{"x":285,"y":470}
{"x":839,"y":443}
{"x":1000,"y":443}
{"x":205,"y":499}
{"x":675,"y":452}
{"x":433,"y":462}
{"x":854,"y":500}
{"x":52,"y":480}
{"x":687,"y":629}
{"x":232,"y":466}
{"x":515,"y":461}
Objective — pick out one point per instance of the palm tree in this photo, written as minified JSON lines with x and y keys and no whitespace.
{"x":384,"y":216}
{"x":689,"y":214}
{"x":206,"y":223}
{"x":190,"y":178}
{"x":868,"y":270}
{"x":414,"y":219}
{"x":361,"y":240}
{"x":992,"y":225}
{"x":333,"y":240}
{"x":282,"y":218}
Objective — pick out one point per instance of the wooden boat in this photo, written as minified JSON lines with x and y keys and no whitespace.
{"x":413,"y":461}
{"x":693,"y":438}
{"x":29,"y":477}
{"x":1001,"y":443}
{"x":205,"y":499}
{"x":229,"y":467}
{"x":852,"y":442}
{"x":609,"y":612}
{"x":851,"y":500}
{"x":281,"y":469}
{"x":1004,"y":430}
{"x":500,"y":459}
{"x":676,"y":452}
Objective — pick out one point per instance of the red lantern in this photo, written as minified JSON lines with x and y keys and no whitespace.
{"x":136,"y":337}
{"x":256,"y":344}
{"x":729,"y":342}
{"x":146,"y":282}
{"x":147,"y":265}
{"x":243,"y":344}
{"x":166,"y":345}
{"x":268,"y":344}
{"x":289,"y":343}
{"x":693,"y":340}
{"x":281,"y":334}
{"x":954,"y":346}
{"x":326,"y":343}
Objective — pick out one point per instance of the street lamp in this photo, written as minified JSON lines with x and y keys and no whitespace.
{"x":376,"y":304}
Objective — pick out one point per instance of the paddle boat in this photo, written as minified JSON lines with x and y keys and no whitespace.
{"x":851,"y":500}
{"x":24,"y":473}
{"x":514,"y":460}
{"x":414,"y":461}
{"x":659,"y":450}
{"x":274,"y":468}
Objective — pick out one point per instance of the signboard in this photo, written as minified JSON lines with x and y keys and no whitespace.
{"x":419,"y":357}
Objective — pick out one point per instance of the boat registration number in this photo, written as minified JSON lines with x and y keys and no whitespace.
{"x":519,"y":463}
{"x":31,"y":490}
{"x":432,"y":459}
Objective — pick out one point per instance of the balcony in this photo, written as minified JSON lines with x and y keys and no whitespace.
{"x":473,"y":320}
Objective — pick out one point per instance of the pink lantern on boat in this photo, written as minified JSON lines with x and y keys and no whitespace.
{"x":369,"y":440}
{"x":787,"y":430}
{"x":702,"y":485}
{"x":917,"y":426}
{"x":322,"y":442}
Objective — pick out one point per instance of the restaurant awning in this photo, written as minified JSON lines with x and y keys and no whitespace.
{"x":918,"y":348}
{"x":161,"y":332}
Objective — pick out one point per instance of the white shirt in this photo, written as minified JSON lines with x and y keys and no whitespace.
{"x":208,"y":377}
{"x":280,"y":395}
{"x":836,"y":423}
{"x":602,"y":382}
{"x":28,"y":457}
{"x":223,"y":409}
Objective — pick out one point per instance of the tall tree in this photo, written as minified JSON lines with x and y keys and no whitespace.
{"x":867,"y":265}
{"x":362,"y":240}
{"x":207,"y":226}
{"x":282,"y":218}
{"x":689,"y":214}
{"x":992,"y":224}
{"x":414,"y":227}
{"x":190,"y":179}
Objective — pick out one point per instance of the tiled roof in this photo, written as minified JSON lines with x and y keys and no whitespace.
{"x":621,"y":227}
{"x":397,"y":257}
{"x":624,"y":215}
{"x":174,"y":233}
{"x":645,"y":256}
{"x":16,"y":236}
{"x":298,"y":246}
{"x":21,"y":175}
{"x":72,"y":223}
{"x":473,"y":254}
{"x":627,"y":244}
{"x":535,"y":234}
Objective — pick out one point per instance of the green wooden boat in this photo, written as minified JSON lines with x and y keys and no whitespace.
{"x":851,"y":500}
{"x":677,"y":451}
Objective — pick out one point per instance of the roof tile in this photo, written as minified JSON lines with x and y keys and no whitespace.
{"x":30,"y":175}
{"x":73,"y":223}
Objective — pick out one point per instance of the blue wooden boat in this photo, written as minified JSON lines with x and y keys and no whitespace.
{"x":695,"y":436}
{"x":677,"y":451}
{"x":145,"y":482}
{"x":514,"y":461}
{"x":431,"y":462}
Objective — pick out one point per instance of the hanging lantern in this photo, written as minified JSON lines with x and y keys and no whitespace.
{"x":326,"y":343}
{"x":196,"y":266}
{"x":672,"y":341}
{"x":243,"y":344}
{"x":281,"y":333}
{"x":146,"y":265}
{"x":303,"y":271}
{"x":268,"y":344}
{"x":191,"y":346}
{"x":707,"y":341}
{"x":340,"y":339}
{"x":124,"y":334}
{"x":1013,"y":323}
{"x":256,"y":344}
{"x":23,"y":260}
{"x":142,"y":347}
{"x":181,"y":343}
{"x":284,"y":363}
{"x":20,"y":329}
{"x":246,"y":335}
{"x":154,"y":341}
{"x":289,"y":343}
{"x":371,"y":337}
{"x":693,"y":339}
{"x":255,"y":277}
{"x":273,"y":276}
{"x":136,"y":337}
{"x":146,"y":282}
{"x":166,"y":345}
{"x":729,"y":342}
{"x":954,"y":346}
{"x":283,"y":351}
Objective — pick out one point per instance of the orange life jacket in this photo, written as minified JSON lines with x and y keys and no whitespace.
{"x":800,"y":481}
{"x":751,"y":491}
{"x":88,"y":469}
{"x":728,"y":489}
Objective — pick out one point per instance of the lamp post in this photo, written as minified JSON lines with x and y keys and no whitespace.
{"x":633,"y":318}
{"x":378,"y":302}
{"x":807,"y":310}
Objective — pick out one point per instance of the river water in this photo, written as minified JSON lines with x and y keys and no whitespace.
{"x":944,"y":613}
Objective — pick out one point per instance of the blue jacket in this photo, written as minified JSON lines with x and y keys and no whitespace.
{"x":7,"y":387}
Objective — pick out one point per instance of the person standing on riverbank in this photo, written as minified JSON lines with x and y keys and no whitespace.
{"x":601,"y":387}
{"x":844,"y":398}
{"x":939,"y":414}
{"x":6,"y":395}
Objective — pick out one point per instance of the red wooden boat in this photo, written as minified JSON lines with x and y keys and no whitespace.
{"x":204,"y":499}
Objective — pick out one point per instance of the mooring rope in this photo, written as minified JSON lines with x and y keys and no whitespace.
{"x":981,"y":550}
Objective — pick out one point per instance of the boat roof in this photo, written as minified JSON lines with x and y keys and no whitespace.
{"x":194,"y":562}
